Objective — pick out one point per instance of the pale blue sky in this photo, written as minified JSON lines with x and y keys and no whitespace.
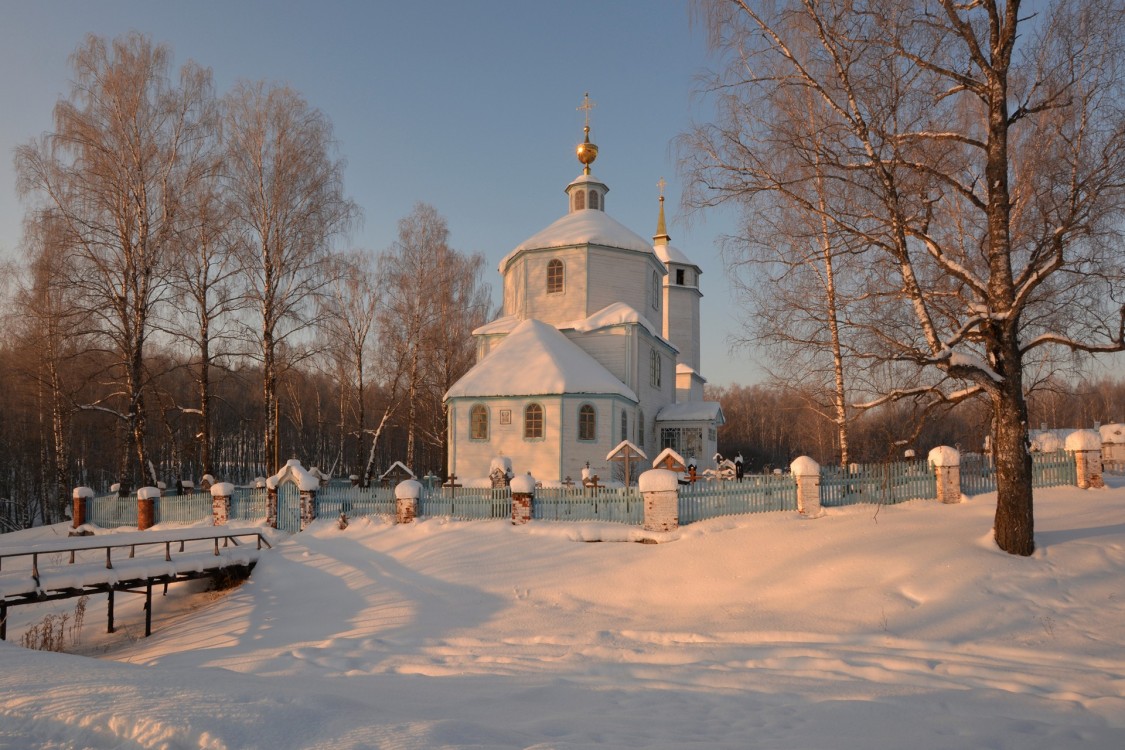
{"x":468,"y":106}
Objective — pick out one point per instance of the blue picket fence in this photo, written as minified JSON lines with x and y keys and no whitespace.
{"x":620,"y":505}
{"x":881,"y":484}
{"x":864,"y":483}
{"x":466,"y":503}
{"x":1056,"y":469}
{"x":754,"y":494}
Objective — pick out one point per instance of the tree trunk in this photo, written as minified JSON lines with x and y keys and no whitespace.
{"x":1014,"y":527}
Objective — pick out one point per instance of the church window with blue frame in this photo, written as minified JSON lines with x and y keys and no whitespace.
{"x":533,"y":422}
{"x":587,"y":422}
{"x":555,"y":276}
{"x":478,"y":422}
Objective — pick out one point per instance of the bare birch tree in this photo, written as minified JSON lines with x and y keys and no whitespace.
{"x":113,"y":171}
{"x":353,"y":306}
{"x":206,"y":290}
{"x":978,"y":156}
{"x":288,"y":205}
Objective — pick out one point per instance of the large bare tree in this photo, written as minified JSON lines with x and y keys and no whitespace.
{"x":123,"y":153}
{"x":975,"y":152}
{"x":286,"y":188}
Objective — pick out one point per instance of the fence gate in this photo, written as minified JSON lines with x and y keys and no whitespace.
{"x":289,"y":507}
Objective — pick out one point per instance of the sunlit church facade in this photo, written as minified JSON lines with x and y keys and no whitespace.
{"x":597,"y":342}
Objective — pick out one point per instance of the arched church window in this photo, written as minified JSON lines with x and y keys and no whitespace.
{"x":655,"y":291}
{"x":624,"y":425}
{"x":587,"y":423}
{"x":640,"y":429}
{"x":579,"y":200}
{"x":554,"y":276}
{"x":478,"y":422}
{"x":593,"y":199}
{"x":533,"y":421}
{"x":654,"y":368}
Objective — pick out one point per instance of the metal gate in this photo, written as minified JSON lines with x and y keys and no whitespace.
{"x":289,"y":507}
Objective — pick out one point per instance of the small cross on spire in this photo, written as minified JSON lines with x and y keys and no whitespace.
{"x":586,"y":106}
{"x":661,"y":184}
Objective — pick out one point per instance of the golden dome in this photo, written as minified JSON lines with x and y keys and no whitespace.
{"x":586,"y":152}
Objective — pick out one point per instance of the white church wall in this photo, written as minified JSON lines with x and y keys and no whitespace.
{"x":622,"y":277}
{"x":608,"y":346}
{"x":681,"y":323}
{"x":514,"y":285}
{"x":560,"y":307}
{"x":539,"y":455}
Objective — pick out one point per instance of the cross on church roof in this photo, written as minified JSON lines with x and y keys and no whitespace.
{"x":586,"y":106}
{"x":661,"y":184}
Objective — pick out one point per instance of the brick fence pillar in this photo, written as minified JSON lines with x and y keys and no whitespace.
{"x":407,"y":494}
{"x":523,"y":498}
{"x":308,"y":507}
{"x":660,"y":488}
{"x":146,"y":507}
{"x":1086,"y":445}
{"x":81,"y":509}
{"x":807,"y":473}
{"x":271,"y":503}
{"x":947,"y":469}
{"x":220,"y":503}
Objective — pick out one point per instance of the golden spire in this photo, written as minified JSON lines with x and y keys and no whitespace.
{"x":661,"y":229}
{"x":586,"y":151}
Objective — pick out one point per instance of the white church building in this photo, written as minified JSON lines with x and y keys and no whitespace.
{"x":597,"y":342}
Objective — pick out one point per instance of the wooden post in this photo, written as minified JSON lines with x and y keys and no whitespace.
{"x":148,"y":608}
{"x":109,"y":611}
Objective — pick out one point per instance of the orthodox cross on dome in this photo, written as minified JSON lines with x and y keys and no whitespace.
{"x":586,"y":106}
{"x":586,"y":151}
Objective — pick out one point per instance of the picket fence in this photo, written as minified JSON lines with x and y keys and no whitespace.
{"x":1056,"y":469}
{"x":883,"y":484}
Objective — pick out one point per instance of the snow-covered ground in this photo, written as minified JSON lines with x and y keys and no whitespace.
{"x":902,"y":627}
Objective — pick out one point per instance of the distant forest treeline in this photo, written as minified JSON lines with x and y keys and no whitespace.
{"x":771,"y":424}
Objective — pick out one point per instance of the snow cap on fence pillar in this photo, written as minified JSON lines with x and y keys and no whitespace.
{"x":658,"y":480}
{"x":222,"y":489}
{"x":1083,"y":440}
{"x":148,"y":493}
{"x":524,"y":484}
{"x":803,"y":466}
{"x":408,"y":489}
{"x":943,"y":455}
{"x":82,"y":491}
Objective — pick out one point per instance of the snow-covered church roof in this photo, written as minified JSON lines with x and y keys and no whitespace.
{"x":580,"y":228}
{"x":672,"y":254}
{"x":536,"y":360}
{"x":692,"y":411}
